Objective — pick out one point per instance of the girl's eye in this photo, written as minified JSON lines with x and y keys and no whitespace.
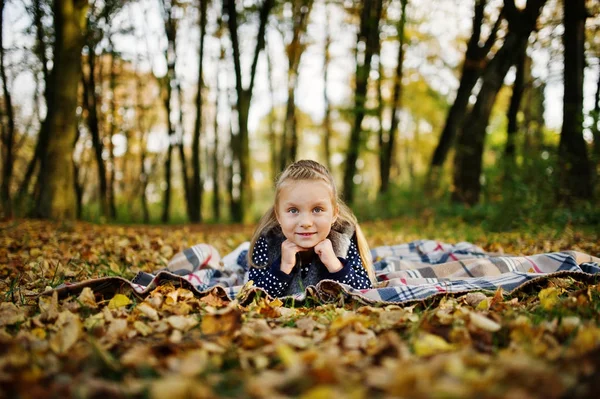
{"x":318,"y":210}
{"x":293,"y":210}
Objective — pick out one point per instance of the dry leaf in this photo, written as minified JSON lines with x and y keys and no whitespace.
{"x":482,"y":322}
{"x":69,"y":331}
{"x":429,"y":344}
{"x":87,"y":298}
{"x":182,"y":323}
{"x":118,"y":301}
{"x":10,"y":314}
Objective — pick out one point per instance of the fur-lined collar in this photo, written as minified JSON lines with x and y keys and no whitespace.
{"x":340,"y":236}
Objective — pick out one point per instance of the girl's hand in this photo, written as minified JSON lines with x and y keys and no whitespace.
{"x":288,"y":255}
{"x":325,"y":251}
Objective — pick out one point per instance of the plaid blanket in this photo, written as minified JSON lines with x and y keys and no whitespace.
{"x":405,"y":273}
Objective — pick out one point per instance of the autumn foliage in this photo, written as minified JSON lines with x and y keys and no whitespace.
{"x":541,"y":341}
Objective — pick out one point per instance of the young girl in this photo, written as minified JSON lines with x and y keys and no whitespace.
{"x":307,"y":236}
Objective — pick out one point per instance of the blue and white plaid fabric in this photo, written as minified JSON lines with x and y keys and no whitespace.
{"x":405,"y":273}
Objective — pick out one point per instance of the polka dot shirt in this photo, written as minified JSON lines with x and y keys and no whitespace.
{"x":275,"y":282}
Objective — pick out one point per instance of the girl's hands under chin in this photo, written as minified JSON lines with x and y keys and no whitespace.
{"x":288,"y":255}
{"x":325,"y":251}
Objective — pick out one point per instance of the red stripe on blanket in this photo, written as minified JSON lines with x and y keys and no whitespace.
{"x":440,"y":289}
{"x":535,"y":267}
{"x":192,"y":276}
{"x":208,"y":258}
{"x":403,"y":281}
{"x":453,"y":257}
{"x":439,"y":247}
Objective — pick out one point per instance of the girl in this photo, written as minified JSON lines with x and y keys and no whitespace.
{"x":307,"y":236}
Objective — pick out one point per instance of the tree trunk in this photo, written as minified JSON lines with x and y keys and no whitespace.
{"x":90,"y":106}
{"x":216,"y":159}
{"x":300,"y":14}
{"x":387,"y":148}
{"x":513,"y":110}
{"x":273,"y":141}
{"x":143,"y":143}
{"x":243,"y":101}
{"x":57,"y":195}
{"x":475,"y":62}
{"x":170,"y":53}
{"x":42,"y":139}
{"x":77,"y":185}
{"x":369,"y":36}
{"x":216,"y":201}
{"x":327,"y":118}
{"x":595,"y":127}
{"x":8,"y":128}
{"x":470,"y":143}
{"x":574,"y":170}
{"x":235,"y":206}
{"x":196,"y":186}
{"x":111,"y":132}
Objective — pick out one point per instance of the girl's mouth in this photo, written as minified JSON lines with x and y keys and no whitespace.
{"x":305,"y":234}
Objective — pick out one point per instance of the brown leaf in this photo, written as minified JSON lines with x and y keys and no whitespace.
{"x":10,"y":314}
{"x":223,"y":322}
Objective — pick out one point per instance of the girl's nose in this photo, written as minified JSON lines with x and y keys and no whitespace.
{"x":306,"y":221}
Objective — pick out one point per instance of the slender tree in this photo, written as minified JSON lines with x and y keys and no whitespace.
{"x":367,"y":44}
{"x":513,"y":108}
{"x":471,"y":139}
{"x":300,"y":13}
{"x":169,"y":82}
{"x":244,"y":95}
{"x":40,"y":50}
{"x":112,"y":125}
{"x":90,"y":107}
{"x":57,"y":195}
{"x":387,"y":146}
{"x":216,"y":200}
{"x":327,"y":129}
{"x":575,"y":175}
{"x":7,"y":126}
{"x":595,"y":123}
{"x":196,"y":186}
{"x":273,"y":139}
{"x":476,"y":59}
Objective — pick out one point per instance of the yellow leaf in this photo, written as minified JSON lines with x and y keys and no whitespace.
{"x":321,"y":392}
{"x":142,"y":328}
{"x":118,"y":301}
{"x":39,"y":333}
{"x":549,"y":297}
{"x":430,"y":344}
{"x":288,"y":356}
{"x":483,"y":305}
{"x":33,"y":252}
{"x":176,"y":386}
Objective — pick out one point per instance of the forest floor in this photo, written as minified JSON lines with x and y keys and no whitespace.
{"x":542,"y":341}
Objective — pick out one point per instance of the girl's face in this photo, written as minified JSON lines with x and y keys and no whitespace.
{"x":306,"y":212}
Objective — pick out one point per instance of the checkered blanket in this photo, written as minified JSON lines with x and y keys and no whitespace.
{"x":405,"y":273}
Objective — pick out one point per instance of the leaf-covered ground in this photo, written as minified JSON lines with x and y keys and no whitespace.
{"x":543,"y":341}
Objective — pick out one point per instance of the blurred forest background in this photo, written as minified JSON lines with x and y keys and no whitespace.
{"x":171,"y":111}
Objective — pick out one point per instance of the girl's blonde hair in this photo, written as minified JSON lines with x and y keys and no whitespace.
{"x":312,"y":170}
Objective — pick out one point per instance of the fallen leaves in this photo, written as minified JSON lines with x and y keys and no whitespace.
{"x":538,"y":342}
